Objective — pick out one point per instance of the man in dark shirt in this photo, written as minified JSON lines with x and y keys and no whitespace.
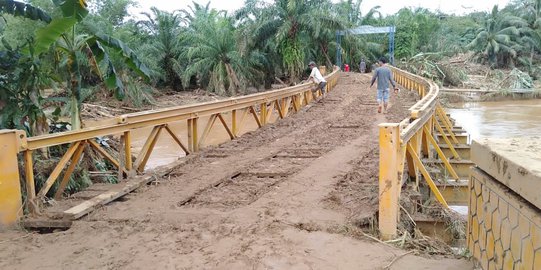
{"x":384,"y":76}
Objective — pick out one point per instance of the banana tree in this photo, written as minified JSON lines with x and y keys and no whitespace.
{"x":60,"y":35}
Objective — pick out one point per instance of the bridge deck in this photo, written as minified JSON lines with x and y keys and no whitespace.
{"x":281,"y":198}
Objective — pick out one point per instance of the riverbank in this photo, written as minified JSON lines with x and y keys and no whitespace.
{"x":450,"y":99}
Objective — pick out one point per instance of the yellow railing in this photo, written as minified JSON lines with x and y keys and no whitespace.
{"x":232,"y":113}
{"x":403,"y":146}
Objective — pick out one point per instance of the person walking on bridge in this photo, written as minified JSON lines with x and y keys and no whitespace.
{"x":317,"y":78}
{"x":384,"y":76}
{"x":362,"y":66}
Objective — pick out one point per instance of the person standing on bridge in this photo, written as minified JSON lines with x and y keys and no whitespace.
{"x":362,"y":66}
{"x":317,"y":78}
{"x":384,"y":76}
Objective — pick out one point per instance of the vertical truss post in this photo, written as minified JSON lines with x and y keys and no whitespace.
{"x":389,"y":182}
{"x":10,"y":188}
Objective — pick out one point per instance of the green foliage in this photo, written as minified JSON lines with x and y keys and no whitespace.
{"x":213,"y":56}
{"x":84,"y":46}
{"x":162,"y":50}
{"x":415,"y":29}
{"x":20,"y":101}
{"x":62,"y":32}
{"x":48,"y":35}
{"x":498,"y":39}
{"x":21,"y":9}
{"x":76,"y":9}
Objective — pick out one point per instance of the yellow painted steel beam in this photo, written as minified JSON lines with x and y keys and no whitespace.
{"x":263,"y":113}
{"x":426,"y":143}
{"x":242,"y":119}
{"x":389,"y":183}
{"x":284,"y":105}
{"x":270,"y":111}
{"x":189,"y":124}
{"x":58,"y":169}
{"x":69,"y":171}
{"x":177,"y":139}
{"x":256,"y":117}
{"x":107,"y":156}
{"x":234,"y":123}
{"x":195,"y":134}
{"x":10,"y":188}
{"x":163,"y":116}
{"x":127,"y":151}
{"x":447,"y":141}
{"x":463,"y":150}
{"x":462,"y":138}
{"x":208,"y":128}
{"x":427,"y":176}
{"x":146,"y":146}
{"x":231,"y":135}
{"x":296,"y":103}
{"x":455,"y":193}
{"x":30,"y":183}
{"x":441,"y":155}
{"x":279,"y":106}
{"x":446,"y":123}
{"x":148,"y":152}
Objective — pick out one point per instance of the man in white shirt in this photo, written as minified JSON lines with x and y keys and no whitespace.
{"x":317,"y":78}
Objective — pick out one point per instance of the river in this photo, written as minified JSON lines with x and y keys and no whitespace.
{"x":502,"y":119}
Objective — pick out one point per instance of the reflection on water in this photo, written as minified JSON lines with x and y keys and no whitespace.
{"x":500,"y":119}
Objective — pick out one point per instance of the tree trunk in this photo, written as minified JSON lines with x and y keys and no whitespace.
{"x":75,"y":85}
{"x":75,"y":114}
{"x":234,"y":80}
{"x":325,"y":52}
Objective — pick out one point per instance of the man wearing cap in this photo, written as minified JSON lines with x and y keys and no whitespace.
{"x":317,"y":78}
{"x":384,"y":76}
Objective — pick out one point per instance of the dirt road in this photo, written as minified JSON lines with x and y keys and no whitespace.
{"x":283,"y":197}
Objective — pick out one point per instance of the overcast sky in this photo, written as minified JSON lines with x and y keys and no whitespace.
{"x":387,"y":6}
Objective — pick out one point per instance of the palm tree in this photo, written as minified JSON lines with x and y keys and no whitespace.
{"x":497,"y":39}
{"x":531,"y":11}
{"x":354,"y":16}
{"x":162,"y":47}
{"x":356,"y":47}
{"x":210,"y":47}
{"x":292,"y":25}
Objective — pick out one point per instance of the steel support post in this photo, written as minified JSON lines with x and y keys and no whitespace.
{"x":10,"y":188}
{"x":389,"y":182}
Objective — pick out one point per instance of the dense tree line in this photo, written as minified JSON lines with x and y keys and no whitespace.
{"x":82,"y":47}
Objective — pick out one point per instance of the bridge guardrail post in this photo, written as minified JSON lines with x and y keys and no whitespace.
{"x":389,"y":181}
{"x":11,"y":208}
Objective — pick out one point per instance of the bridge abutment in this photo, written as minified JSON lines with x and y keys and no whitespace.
{"x":504,"y":220}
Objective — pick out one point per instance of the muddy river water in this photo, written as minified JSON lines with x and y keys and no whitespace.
{"x":503,"y":119}
{"x":167,"y":151}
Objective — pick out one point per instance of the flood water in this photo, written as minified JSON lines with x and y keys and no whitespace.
{"x":167,"y":150}
{"x":502,"y":119}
